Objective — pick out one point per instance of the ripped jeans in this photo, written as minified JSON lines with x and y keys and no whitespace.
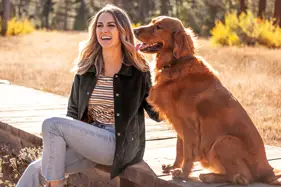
{"x":70,"y":146}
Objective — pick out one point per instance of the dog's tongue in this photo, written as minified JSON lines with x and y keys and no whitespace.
{"x":141,"y":46}
{"x":138,"y":46}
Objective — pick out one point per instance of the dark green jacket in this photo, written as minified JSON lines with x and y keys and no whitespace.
{"x":131,"y":87}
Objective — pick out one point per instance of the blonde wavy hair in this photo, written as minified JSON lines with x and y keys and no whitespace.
{"x":90,"y":51}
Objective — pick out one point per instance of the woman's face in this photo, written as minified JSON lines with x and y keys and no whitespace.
{"x":107,"y":31}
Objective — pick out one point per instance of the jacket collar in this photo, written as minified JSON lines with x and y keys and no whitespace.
{"x":126,"y":69}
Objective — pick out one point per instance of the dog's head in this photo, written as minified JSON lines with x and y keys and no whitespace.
{"x":165,"y":34}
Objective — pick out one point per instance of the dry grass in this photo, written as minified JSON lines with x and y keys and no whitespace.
{"x":43,"y":60}
{"x":40,"y":60}
{"x":14,"y":162}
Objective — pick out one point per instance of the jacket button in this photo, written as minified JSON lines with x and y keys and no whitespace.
{"x":118,"y":134}
{"x":88,"y":93}
{"x":117,"y":114}
{"x":116,"y":76}
{"x":117,"y":94}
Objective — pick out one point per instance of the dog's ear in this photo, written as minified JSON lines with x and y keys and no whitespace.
{"x":183,"y":44}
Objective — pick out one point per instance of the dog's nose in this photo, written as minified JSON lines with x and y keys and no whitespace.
{"x":137,"y":32}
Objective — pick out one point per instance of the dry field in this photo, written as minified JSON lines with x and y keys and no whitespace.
{"x":43,"y":60}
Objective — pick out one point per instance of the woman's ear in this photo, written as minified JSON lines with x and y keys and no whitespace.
{"x":183,"y":44}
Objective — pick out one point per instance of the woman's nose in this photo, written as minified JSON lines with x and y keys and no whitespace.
{"x":105,"y":29}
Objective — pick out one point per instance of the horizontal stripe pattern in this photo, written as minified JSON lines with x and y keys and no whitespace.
{"x":101,"y":102}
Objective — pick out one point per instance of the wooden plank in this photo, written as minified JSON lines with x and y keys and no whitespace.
{"x":155,"y":144}
{"x":165,"y":154}
{"x":9,"y":95}
{"x":31,"y":113}
{"x":273,"y":152}
{"x":41,"y":108}
{"x":159,"y":135}
{"x":26,"y":119}
{"x":157,"y":127}
{"x":138,"y":174}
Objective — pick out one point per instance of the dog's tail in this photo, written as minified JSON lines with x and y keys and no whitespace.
{"x":274,"y":178}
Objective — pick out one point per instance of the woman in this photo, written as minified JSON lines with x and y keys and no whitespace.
{"x":105,"y":122}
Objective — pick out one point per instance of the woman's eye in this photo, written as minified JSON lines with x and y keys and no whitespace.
{"x":99,"y":25}
{"x":111,"y":25}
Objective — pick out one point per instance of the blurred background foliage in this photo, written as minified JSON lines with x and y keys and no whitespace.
{"x":246,"y":29}
{"x":201,"y":15}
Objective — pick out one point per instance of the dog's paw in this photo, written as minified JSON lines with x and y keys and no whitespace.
{"x":178,"y":173}
{"x":240,"y":179}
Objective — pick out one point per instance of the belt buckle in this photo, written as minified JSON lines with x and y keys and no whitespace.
{"x":101,"y":126}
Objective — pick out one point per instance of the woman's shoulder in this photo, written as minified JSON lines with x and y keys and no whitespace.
{"x":139,"y":72}
{"x":85,"y":76}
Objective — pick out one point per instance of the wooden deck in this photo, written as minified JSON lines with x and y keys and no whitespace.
{"x":22,"y":111}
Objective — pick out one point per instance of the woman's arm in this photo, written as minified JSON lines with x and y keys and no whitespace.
{"x":72,"y":108}
{"x":152,"y":114}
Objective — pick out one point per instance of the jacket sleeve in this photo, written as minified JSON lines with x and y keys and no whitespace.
{"x":72,"y":108}
{"x":152,"y":114}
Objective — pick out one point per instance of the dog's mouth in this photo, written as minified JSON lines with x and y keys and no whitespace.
{"x":149,"y":48}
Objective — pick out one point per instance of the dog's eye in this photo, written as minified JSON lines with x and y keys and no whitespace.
{"x":158,"y":27}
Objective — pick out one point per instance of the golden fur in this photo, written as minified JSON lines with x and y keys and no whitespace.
{"x":212,"y":126}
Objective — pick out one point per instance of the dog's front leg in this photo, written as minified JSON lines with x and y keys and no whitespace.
{"x":188,"y":156}
{"x":179,"y":157}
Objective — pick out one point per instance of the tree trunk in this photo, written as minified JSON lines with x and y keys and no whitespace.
{"x":193,"y":4}
{"x":143,"y":11}
{"x":164,"y":7}
{"x":262,"y":7}
{"x":20,"y":6}
{"x":277,"y":13}
{"x":6,"y":16}
{"x":117,"y":3}
{"x":65,"y":27}
{"x":81,"y":16}
{"x":46,"y":12}
{"x":243,"y":7}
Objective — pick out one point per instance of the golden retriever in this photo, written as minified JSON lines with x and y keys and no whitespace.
{"x":212,"y":127}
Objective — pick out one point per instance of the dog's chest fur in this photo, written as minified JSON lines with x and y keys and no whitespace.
{"x":174,"y":103}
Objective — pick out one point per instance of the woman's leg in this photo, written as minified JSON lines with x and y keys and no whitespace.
{"x":89,"y":142}
{"x":74,"y":163}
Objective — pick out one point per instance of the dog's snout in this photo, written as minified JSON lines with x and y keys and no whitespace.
{"x":136,"y":32}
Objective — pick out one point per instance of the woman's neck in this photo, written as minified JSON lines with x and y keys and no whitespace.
{"x":112,"y":59}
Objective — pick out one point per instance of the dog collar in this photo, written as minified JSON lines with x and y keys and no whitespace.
{"x":175,"y":61}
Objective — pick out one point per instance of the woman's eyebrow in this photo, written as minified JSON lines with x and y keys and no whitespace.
{"x":107,"y":22}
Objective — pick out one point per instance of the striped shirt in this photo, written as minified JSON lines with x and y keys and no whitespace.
{"x":101,"y":102}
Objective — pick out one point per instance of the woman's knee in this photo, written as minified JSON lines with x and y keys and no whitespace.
{"x":48,"y":124}
{"x":35,"y":166}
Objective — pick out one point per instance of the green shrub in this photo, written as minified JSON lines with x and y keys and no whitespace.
{"x":16,"y":27}
{"x":246,"y":30}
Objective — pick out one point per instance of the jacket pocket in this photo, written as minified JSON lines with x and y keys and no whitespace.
{"x":131,"y":136}
{"x":130,"y":146}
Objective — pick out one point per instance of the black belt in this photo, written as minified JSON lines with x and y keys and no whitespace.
{"x":99,"y":125}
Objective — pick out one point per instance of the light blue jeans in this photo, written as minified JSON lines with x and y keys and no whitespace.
{"x":69,"y":146}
